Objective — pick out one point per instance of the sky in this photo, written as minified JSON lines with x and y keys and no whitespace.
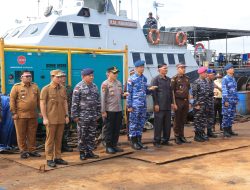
{"x":213,"y":13}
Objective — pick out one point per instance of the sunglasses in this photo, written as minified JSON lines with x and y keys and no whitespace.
{"x":27,"y":76}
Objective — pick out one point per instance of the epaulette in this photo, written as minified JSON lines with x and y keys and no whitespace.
{"x":17,"y":84}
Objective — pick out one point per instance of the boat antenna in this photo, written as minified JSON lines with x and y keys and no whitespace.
{"x":156,"y":5}
{"x":38,"y":7}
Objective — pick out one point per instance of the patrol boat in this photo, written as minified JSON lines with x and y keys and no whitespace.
{"x":95,"y":24}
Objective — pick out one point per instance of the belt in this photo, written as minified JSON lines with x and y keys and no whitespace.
{"x":184,"y":99}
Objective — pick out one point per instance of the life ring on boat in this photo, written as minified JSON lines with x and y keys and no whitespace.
{"x":181,"y":38}
{"x":150,"y":36}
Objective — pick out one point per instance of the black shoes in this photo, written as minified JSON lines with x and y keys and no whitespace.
{"x":226,"y":132}
{"x":157,"y":144}
{"x":134,"y":143}
{"x":51,"y":163}
{"x":82,"y":156}
{"x":60,"y":161}
{"x":211,"y":134}
{"x":24,"y":155}
{"x":117,"y":149}
{"x":198,"y":137}
{"x":184,"y":140}
{"x":91,"y":155}
{"x":166,"y":143}
{"x":230,"y":131}
{"x":110,"y":150}
{"x":178,"y":140}
{"x":34,"y":154}
{"x":140,"y":143}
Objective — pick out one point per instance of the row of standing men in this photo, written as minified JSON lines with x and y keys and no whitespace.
{"x":87,"y":106}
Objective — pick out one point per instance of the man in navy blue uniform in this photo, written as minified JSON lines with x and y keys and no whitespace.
{"x":229,"y":100}
{"x":136,"y":103}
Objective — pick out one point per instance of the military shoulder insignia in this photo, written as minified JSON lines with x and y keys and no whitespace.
{"x":17,"y":84}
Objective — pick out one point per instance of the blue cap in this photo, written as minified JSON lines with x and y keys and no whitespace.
{"x":211,"y":71}
{"x":87,"y":71}
{"x":139,"y":63}
{"x":228,"y":66}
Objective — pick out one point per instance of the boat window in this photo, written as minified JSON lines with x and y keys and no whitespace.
{"x":60,"y":29}
{"x":84,"y":12}
{"x":33,"y":30}
{"x":148,"y":58}
{"x":136,"y":57}
{"x":160,"y":59}
{"x":181,"y":58}
{"x":16,"y":31}
{"x":94,"y":30}
{"x":78,"y":29}
{"x":171,"y":60}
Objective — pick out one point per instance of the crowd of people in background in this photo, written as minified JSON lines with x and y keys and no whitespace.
{"x":59,"y":105}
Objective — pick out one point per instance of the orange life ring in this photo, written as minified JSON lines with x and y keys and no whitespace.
{"x":150,"y":36}
{"x":181,"y":38}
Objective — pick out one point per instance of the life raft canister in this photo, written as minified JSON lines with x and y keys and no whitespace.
{"x":181,"y":38}
{"x":150,"y":36}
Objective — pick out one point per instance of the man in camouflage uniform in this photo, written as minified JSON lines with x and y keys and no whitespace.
{"x":69,"y":91}
{"x":136,"y":103}
{"x":200,"y":94}
{"x":229,"y":100}
{"x":210,"y":101}
{"x":85,"y":110}
{"x":24,"y":105}
{"x":180,"y":85}
{"x":111,"y":95}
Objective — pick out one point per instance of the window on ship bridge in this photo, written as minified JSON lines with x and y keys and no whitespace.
{"x":136,"y":57}
{"x":171,"y":60}
{"x":181,"y":58}
{"x":78,"y":29}
{"x":33,"y":30}
{"x":160,"y":59}
{"x":94,"y":30}
{"x":60,"y":29}
{"x":149,"y":59}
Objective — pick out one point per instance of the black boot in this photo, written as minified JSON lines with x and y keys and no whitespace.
{"x":178,"y":140}
{"x":140,"y":143}
{"x":82,"y":155}
{"x":198,"y":137}
{"x":204,"y":136}
{"x":226,"y":132}
{"x":134,"y":143}
{"x":184,"y":140}
{"x":230,"y":131}
{"x":211,"y":134}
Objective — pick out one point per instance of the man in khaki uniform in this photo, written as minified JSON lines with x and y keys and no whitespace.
{"x":54,"y":108}
{"x":24,"y":105}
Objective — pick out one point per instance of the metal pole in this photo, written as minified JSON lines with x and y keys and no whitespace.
{"x":2,"y":63}
{"x":131,"y":9}
{"x":226,"y":49}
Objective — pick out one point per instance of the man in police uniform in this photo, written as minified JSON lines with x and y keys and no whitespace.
{"x":180,"y":85}
{"x":136,"y":103}
{"x":54,"y":108}
{"x":201,"y":95}
{"x":229,"y":100}
{"x":111,"y":109}
{"x":85,"y":111}
{"x":24,"y":105}
{"x":69,"y":91}
{"x":163,"y":102}
{"x":210,"y":100}
{"x":218,"y":98}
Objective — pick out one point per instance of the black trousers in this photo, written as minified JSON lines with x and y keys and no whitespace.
{"x":112,"y":127}
{"x":162,"y":125}
{"x":218,"y":109}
